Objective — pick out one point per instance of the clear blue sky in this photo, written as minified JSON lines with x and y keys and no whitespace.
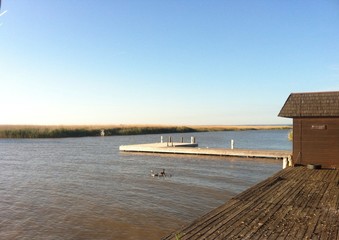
{"x":163,"y":61}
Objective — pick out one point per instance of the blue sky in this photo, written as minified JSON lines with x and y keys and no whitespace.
{"x":163,"y":62}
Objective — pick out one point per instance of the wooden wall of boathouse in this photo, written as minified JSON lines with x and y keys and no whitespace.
{"x":316,"y":141}
{"x":315,"y":127}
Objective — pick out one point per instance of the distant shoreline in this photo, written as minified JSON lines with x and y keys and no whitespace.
{"x":66,"y":131}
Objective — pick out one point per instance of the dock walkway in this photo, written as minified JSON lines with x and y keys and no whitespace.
{"x":191,"y":148}
{"x":295,"y":203}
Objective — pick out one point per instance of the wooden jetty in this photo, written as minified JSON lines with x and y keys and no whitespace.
{"x":295,"y":203}
{"x":192,"y":148}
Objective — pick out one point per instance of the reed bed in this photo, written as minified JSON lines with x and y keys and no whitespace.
{"x":38,"y":131}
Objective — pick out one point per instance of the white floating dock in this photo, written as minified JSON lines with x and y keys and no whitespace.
{"x":193,"y":149}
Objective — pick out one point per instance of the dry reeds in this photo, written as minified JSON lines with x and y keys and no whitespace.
{"x":37,"y":131}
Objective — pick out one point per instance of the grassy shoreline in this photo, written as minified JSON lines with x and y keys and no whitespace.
{"x":39,"y":131}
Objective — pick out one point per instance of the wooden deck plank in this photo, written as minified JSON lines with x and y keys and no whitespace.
{"x":313,"y":220}
{"x":277,"y":226}
{"x":323,"y":229}
{"x":225,"y":229}
{"x":286,"y":191}
{"x":245,"y":225}
{"x":259,"y":198}
{"x":231,"y":217}
{"x":327,"y":196}
{"x":296,"y":203}
{"x":289,"y":222}
{"x":298,"y":212}
{"x":280,"y":198}
{"x":283,"y":220}
{"x":319,"y":191}
{"x":297,"y":186}
{"x":304,"y":196}
{"x":331,"y":175}
{"x":198,"y":226}
{"x":322,"y":200}
{"x":261,"y":191}
{"x":300,"y":224}
{"x":333,"y":197}
{"x":278,"y":219}
{"x":258,"y":229}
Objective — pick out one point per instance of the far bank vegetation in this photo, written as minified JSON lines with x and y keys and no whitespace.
{"x":36,"y":131}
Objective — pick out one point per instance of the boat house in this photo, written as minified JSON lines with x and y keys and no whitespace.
{"x":297,"y":202}
{"x":315,"y":127}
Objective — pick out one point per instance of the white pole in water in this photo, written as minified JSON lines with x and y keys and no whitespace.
{"x":284,"y":163}
{"x":161,"y":139}
{"x":232,"y":144}
{"x":192,"y":140}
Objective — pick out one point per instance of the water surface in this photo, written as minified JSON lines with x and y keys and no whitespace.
{"x":83,"y":188}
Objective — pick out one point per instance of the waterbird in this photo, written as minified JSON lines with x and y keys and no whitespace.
{"x":154,"y":174}
{"x":161,"y":174}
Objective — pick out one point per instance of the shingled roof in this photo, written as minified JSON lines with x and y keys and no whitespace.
{"x":314,"y":104}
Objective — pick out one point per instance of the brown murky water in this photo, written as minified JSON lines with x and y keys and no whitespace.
{"x":83,"y":188}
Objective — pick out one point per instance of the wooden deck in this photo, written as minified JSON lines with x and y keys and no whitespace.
{"x":188,"y":148}
{"x":295,"y":203}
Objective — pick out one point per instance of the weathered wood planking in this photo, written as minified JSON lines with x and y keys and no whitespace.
{"x":182,"y":148}
{"x":295,"y":203}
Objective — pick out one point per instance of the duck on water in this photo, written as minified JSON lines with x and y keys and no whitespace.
{"x":161,"y":174}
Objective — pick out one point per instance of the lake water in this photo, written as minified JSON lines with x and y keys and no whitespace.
{"x":84,"y":188}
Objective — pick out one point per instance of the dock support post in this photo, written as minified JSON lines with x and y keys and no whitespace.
{"x":284,"y":162}
{"x":170,"y":141}
{"x":232,"y":144}
{"x":161,"y":139}
{"x":192,"y":139}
